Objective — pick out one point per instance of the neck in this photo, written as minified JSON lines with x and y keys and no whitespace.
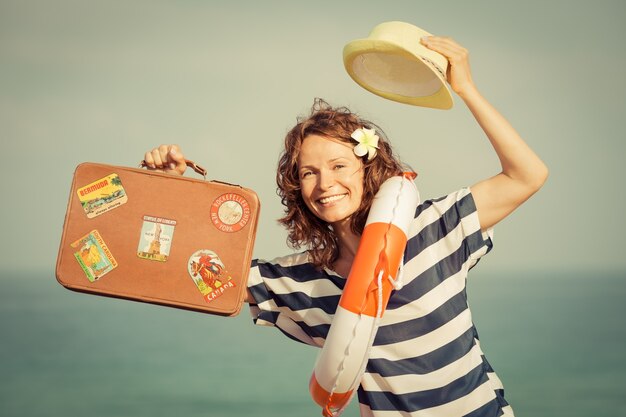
{"x":347,"y":240}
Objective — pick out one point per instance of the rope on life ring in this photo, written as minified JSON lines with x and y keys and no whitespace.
{"x":374,"y":273}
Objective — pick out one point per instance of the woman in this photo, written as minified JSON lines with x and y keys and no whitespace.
{"x":426,"y":358}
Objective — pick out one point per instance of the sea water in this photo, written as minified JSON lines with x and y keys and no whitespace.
{"x":557,"y":340}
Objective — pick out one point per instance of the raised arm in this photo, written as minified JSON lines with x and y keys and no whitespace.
{"x":523,"y":173}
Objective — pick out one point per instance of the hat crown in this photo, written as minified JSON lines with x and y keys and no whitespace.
{"x":397,"y":31}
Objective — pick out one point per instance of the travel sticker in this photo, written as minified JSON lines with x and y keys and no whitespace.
{"x":155,"y":239}
{"x":102,"y":195}
{"x":230,"y":212}
{"x":94,"y":256}
{"x":209,"y":274}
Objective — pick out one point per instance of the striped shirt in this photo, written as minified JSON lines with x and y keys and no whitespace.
{"x":426,"y":359}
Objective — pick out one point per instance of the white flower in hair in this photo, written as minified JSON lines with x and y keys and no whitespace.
{"x":368,"y":142}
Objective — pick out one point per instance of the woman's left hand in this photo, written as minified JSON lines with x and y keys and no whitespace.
{"x":459,"y":74}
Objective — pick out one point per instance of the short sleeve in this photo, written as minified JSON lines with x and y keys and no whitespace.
{"x":264,"y":310}
{"x":448,"y":229}
{"x":478,"y":242}
{"x":293,"y":296}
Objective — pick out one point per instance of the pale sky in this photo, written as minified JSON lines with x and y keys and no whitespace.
{"x":104,"y":81}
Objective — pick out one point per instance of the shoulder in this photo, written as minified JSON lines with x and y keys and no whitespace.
{"x":294,"y":259}
{"x":462,"y":197}
{"x":449,"y":223}
{"x":296,"y":266}
{"x":453,"y":216}
{"x":457,"y":204}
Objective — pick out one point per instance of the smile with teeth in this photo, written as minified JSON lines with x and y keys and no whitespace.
{"x":331,"y":199}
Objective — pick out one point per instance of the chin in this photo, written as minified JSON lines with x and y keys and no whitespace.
{"x":337,"y":220}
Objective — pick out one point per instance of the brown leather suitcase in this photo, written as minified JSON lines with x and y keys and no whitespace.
{"x":157,"y":238}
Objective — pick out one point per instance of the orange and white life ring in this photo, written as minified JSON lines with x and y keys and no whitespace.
{"x":341,"y":363}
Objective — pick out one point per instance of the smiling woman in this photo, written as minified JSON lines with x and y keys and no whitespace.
{"x":331,"y":179}
{"x":425,"y":358}
{"x":322,"y":181}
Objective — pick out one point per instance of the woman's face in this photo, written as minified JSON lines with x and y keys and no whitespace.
{"x":331,"y":178}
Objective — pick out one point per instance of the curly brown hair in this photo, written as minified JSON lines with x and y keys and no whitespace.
{"x":306,"y":229}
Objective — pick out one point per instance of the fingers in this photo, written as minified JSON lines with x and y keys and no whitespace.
{"x":149,"y":160}
{"x":166,"y":158}
{"x":458,"y":72}
{"x":177,"y":160}
{"x":446,"y":46}
{"x":153,"y":158}
{"x":160,"y":156}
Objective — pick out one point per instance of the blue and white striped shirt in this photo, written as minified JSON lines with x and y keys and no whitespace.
{"x":426,"y":359}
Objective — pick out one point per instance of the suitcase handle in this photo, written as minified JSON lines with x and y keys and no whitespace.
{"x":189,"y":163}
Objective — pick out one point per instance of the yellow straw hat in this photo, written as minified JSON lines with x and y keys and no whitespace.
{"x":392,"y":63}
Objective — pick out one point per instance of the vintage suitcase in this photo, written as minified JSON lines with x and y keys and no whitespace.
{"x":158,"y":238}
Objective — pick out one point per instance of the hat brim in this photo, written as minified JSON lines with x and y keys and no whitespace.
{"x":397,"y":74}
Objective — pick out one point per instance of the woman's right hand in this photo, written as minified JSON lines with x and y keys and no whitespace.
{"x":166,"y":158}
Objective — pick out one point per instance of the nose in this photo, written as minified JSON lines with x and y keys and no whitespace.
{"x":326,"y":180}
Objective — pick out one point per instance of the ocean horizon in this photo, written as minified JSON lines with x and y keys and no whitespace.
{"x":556,"y":339}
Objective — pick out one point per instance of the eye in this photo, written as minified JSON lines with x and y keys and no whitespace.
{"x":305,"y":174}
{"x":339,"y":166}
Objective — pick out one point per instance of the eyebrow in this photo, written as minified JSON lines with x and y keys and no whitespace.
{"x":329,"y":161}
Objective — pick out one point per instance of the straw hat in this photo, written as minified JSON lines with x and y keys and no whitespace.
{"x":392,"y":63}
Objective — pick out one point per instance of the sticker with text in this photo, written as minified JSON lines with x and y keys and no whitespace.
{"x":102,"y":195}
{"x":155,"y":240}
{"x":230,"y":212}
{"x":209,"y":274}
{"x":94,"y":256}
